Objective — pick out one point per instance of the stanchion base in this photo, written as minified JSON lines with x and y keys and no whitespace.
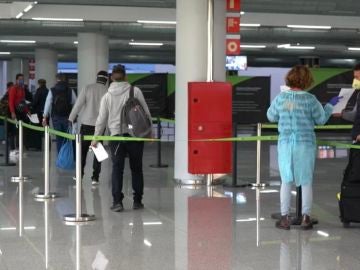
{"x":72,"y":220}
{"x":259,"y":185}
{"x":239,"y":185}
{"x":7,"y":164}
{"x":17,"y":179}
{"x":43,"y":196}
{"x":159,"y":166}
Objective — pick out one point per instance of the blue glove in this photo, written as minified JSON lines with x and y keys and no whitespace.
{"x":335,"y":100}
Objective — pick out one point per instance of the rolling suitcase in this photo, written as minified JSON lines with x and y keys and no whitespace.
{"x":349,"y":198}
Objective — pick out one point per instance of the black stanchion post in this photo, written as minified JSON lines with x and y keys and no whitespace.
{"x":7,"y":147}
{"x":159,"y":164}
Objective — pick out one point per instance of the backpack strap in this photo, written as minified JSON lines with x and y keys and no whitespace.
{"x":131,"y":92}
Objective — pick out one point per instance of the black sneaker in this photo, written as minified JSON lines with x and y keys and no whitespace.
{"x":138,"y":205}
{"x":117,"y":207}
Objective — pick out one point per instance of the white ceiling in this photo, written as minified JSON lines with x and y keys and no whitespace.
{"x":118,"y":20}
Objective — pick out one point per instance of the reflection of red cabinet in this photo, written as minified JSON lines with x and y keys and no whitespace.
{"x":210,"y":116}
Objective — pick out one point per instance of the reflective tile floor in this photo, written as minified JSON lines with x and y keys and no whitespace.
{"x":180,"y":228}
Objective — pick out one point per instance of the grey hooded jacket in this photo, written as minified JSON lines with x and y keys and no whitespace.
{"x":111,"y":107}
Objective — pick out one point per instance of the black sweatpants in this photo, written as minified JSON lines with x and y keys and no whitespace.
{"x":119,"y":151}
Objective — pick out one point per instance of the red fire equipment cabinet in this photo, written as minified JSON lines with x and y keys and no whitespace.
{"x":210,"y":117}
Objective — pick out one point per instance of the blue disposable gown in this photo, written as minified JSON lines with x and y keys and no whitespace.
{"x":297,"y":112}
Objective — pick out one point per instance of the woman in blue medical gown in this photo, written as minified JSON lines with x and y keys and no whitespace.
{"x":297,"y":112}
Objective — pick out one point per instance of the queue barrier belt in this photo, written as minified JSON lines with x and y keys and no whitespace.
{"x":234,"y":139}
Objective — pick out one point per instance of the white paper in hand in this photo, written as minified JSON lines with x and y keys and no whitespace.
{"x":346,"y":94}
{"x":100,"y":152}
{"x":34,"y":118}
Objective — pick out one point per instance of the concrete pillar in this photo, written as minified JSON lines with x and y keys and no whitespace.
{"x":191,"y":65}
{"x":93,"y":55}
{"x":46,"y":66}
{"x":219,"y":40}
{"x":15,"y":67}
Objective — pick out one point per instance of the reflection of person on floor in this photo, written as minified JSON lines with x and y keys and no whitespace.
{"x":303,"y":249}
{"x":296,"y":113}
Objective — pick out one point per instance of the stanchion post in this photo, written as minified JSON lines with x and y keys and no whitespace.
{"x":258,"y":158}
{"x":46,"y":194}
{"x":7,"y":147}
{"x":159,"y":164}
{"x":78,"y":217}
{"x":21,"y":177}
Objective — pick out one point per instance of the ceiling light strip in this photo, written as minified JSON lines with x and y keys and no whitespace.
{"x":58,"y":19}
{"x":322,"y":27}
{"x":250,"y":24}
{"x":5,"y":53}
{"x":300,"y":48}
{"x":17,"y":41}
{"x":354,"y":48}
{"x":146,"y":44}
{"x":155,"y":22}
{"x":253,"y":46}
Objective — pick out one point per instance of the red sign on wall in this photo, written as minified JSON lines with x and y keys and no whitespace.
{"x":233,"y":25}
{"x":233,"y":47}
{"x":233,"y":5}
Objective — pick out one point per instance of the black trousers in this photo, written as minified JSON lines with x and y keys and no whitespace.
{"x":119,"y":151}
{"x":88,"y":130}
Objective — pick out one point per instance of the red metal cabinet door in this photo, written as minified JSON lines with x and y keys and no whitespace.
{"x":210,"y":116}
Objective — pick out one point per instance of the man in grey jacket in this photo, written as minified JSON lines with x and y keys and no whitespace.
{"x":89,"y":101}
{"x":111,"y":108}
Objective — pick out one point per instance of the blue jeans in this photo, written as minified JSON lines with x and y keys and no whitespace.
{"x":60,"y":123}
{"x":285,"y":198}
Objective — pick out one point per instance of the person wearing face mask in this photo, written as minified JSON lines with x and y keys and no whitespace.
{"x":89,"y":102}
{"x":297,"y":112}
{"x":17,"y":107}
{"x":354,"y":115}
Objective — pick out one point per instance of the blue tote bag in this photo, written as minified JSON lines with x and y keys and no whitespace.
{"x":65,"y":159}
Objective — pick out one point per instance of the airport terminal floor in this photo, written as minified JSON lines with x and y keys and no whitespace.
{"x":180,"y":228}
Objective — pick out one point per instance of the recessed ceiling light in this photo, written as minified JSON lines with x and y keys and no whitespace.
{"x":145,"y":44}
{"x":5,"y":53}
{"x":17,"y":41}
{"x":250,"y":24}
{"x":322,"y":27}
{"x":58,"y":19}
{"x":156,"y":22}
{"x":19,"y":15}
{"x":76,"y":42}
{"x":242,"y":12}
{"x":300,"y":48}
{"x":253,"y":46}
{"x":28,"y":8}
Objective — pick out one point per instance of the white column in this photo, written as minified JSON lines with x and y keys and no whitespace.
{"x":191,"y":63}
{"x":93,"y":56}
{"x":46,"y":66}
{"x":219,"y":40}
{"x":25,"y":70}
{"x":15,"y":67}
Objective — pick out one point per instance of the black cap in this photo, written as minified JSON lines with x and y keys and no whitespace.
{"x":102,"y":77}
{"x":119,"y":69}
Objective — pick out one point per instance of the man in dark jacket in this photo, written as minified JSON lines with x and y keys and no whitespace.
{"x":354,"y":115}
{"x":40,"y":99}
{"x":58,"y":104}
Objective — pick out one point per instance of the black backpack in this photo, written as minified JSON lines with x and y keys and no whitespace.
{"x":134,"y":116}
{"x":61,"y":105}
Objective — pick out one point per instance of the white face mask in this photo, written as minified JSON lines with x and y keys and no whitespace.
{"x":356,"y":84}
